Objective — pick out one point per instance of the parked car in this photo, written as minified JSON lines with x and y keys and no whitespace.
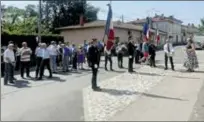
{"x":198,"y":46}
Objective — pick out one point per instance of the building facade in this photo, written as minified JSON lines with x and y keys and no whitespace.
{"x":95,"y":30}
{"x":168,"y":25}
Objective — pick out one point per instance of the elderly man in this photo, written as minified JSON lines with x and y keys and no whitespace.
{"x":45,"y":61}
{"x":53,"y":56}
{"x":25,"y":53}
{"x":65,"y":58}
{"x":9,"y":60}
{"x":38,"y":53}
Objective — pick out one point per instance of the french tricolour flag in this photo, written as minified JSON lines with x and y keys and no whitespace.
{"x":146,"y":31}
{"x":109,"y":30}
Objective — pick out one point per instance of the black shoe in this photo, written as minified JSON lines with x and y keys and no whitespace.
{"x":50,"y":77}
{"x":12,"y":82}
{"x":39,"y":78}
{"x":14,"y":78}
{"x":112,"y":69}
{"x":29,"y":76}
{"x":96,"y":89}
{"x":173,"y":69}
{"x":165,"y":68}
{"x":106,"y":69}
{"x":22,"y":77}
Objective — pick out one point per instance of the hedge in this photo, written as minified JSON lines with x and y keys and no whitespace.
{"x":30,"y":39}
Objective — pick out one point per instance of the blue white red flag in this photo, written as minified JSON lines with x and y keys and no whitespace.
{"x":146,"y":31}
{"x":109,"y":31}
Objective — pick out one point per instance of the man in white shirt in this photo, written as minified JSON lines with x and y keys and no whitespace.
{"x":169,"y":52}
{"x":9,"y":60}
{"x":45,"y":61}
{"x":53,"y":49}
{"x":108,"y":57}
{"x":38,"y":54}
{"x":25,"y":53}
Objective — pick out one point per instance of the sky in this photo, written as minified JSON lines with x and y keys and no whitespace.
{"x":187,"y":11}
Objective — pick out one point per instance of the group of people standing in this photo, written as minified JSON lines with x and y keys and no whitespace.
{"x":71,"y":57}
{"x":10,"y":57}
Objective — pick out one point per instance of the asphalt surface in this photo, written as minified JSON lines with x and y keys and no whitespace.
{"x":61,"y":98}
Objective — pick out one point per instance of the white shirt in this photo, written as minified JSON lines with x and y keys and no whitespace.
{"x":9,"y":54}
{"x":38,"y":52}
{"x":45,"y":54}
{"x":53,"y":50}
{"x":170,"y":47}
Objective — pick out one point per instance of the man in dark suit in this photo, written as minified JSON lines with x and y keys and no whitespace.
{"x":131,"y":49}
{"x":93,"y":53}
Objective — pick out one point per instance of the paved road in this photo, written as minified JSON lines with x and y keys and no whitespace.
{"x":55,"y":99}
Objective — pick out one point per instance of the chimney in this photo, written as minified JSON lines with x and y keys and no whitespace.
{"x":81,"y":20}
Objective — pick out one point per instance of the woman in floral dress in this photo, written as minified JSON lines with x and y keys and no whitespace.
{"x":191,"y":61}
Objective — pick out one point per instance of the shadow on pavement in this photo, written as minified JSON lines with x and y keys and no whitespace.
{"x":21,"y":84}
{"x":184,"y":77}
{"x":117,"y":71}
{"x":159,"y":67}
{"x":127,"y":92}
{"x":199,"y":71}
{"x":145,"y":73}
{"x":54,"y":78}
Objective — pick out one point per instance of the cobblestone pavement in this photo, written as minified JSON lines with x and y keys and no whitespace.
{"x":68,"y":97}
{"x":119,"y":92}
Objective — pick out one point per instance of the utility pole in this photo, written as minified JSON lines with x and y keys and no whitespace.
{"x":122,"y":19}
{"x":39,"y":22}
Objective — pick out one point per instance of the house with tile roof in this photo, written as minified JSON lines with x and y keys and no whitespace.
{"x":95,"y":30}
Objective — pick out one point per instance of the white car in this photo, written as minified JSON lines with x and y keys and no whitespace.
{"x":198,"y":46}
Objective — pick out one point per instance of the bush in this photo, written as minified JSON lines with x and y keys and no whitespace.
{"x":30,"y":39}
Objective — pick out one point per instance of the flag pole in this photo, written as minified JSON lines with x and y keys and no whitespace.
{"x":106,"y":20}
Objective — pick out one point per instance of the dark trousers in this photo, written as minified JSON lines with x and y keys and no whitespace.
{"x":108,"y":58}
{"x":99,"y":59}
{"x":25,"y":65}
{"x":74,"y":62}
{"x":166,"y":61}
{"x":2,"y":69}
{"x":94,"y":77}
{"x":152,"y":60}
{"x":38,"y":63}
{"x":130,"y":65}
{"x":17,"y":63}
{"x":45,"y":62}
{"x":87,"y":57}
{"x":9,"y":72}
{"x":120,"y":60}
{"x":137,"y":56}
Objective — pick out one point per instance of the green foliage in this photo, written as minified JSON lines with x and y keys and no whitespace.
{"x":54,"y":14}
{"x":201,"y":27}
{"x":67,"y":12}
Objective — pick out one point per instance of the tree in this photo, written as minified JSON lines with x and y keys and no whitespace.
{"x":67,"y":12}
{"x":54,"y":14}
{"x":17,"y":21}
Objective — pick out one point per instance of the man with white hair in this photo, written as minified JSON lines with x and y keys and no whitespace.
{"x":38,"y":54}
{"x":53,"y":56}
{"x":169,"y":52}
{"x":25,"y":53}
{"x":45,"y":61}
{"x":9,"y":60}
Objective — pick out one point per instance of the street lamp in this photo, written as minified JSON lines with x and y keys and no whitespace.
{"x":39,"y":23}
